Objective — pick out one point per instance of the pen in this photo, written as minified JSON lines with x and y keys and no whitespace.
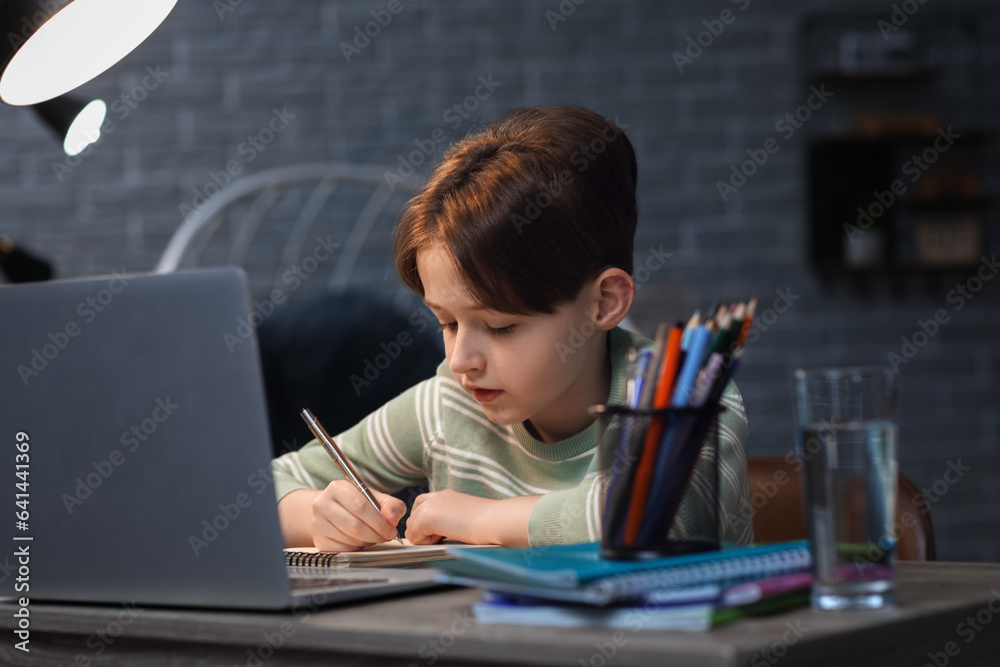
{"x":650,"y":449}
{"x":655,"y":366}
{"x":639,"y":368}
{"x":755,"y":591}
{"x":643,"y":362}
{"x":338,"y":457}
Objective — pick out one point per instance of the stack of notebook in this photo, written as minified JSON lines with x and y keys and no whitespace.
{"x":572,"y":586}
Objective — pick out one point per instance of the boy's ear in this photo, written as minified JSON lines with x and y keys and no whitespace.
{"x":614,"y":291}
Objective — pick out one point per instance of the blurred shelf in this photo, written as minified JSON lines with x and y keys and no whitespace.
{"x":914,"y":74}
{"x":892,"y":269}
{"x":975,"y":136}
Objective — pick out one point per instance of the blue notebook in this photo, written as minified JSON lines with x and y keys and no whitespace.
{"x":497,"y":609}
{"x":692,"y":615}
{"x":464,"y":574}
{"x":600,"y":581}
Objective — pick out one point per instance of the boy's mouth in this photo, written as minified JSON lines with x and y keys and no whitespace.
{"x":484,"y":395}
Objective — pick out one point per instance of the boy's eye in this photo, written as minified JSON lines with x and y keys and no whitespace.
{"x":452,"y":326}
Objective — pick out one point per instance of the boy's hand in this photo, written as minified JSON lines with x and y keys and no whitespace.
{"x":344,"y":520}
{"x":442,"y":514}
{"x":469,"y":519}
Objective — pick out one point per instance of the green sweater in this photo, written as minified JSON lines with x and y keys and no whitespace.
{"x":437,"y":432}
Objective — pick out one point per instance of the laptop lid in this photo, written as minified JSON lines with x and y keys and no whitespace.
{"x":139,"y":404}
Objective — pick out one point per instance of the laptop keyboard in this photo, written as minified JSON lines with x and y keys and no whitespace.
{"x":304,"y":583}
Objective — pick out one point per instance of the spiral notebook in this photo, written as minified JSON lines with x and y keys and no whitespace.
{"x":386,"y":554}
{"x":577,"y":571}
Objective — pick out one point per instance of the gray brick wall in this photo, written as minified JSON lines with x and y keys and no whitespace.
{"x":119,"y":206}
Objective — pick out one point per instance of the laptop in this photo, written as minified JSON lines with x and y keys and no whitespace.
{"x":132,"y":408}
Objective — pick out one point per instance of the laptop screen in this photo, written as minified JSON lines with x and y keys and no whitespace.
{"x":148,"y":462}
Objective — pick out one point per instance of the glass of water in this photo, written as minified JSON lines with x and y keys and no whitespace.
{"x":846,"y":440}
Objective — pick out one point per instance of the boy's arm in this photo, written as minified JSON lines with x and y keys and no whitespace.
{"x":295,"y":513}
{"x":558,"y":517}
{"x":386,"y":448}
{"x":569,"y":515}
{"x":470,"y":519}
{"x":574,"y":515}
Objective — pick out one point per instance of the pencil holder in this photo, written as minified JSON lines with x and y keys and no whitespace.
{"x":649,"y":458}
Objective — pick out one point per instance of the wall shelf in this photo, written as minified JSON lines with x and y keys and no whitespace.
{"x":886,"y":195}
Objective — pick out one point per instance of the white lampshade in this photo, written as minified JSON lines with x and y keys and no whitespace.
{"x":67,"y":48}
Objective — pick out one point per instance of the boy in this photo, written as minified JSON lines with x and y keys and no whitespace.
{"x":521,"y":245}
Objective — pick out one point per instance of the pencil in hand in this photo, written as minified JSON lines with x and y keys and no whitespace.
{"x":338,"y":457}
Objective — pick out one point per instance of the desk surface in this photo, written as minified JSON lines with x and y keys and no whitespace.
{"x":935,"y":601}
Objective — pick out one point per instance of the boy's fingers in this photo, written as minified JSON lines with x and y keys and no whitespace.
{"x":327,"y":537}
{"x":393,"y":509}
{"x":377,"y":525}
{"x":413,"y":532}
{"x":416,"y":534}
{"x":368,"y":524}
{"x":347,"y":510}
{"x":331,"y":543}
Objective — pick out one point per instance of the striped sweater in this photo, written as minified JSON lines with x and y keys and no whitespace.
{"x":436,"y":432}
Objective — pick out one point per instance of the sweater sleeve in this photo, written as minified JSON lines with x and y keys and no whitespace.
{"x":569,"y":515}
{"x":735,"y":511}
{"x":386,"y":448}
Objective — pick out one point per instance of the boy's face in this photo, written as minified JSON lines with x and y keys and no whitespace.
{"x":519,"y":367}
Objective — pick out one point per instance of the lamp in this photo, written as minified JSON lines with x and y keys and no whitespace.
{"x":50,"y":47}
{"x":20,"y":266}
{"x":75,"y":123}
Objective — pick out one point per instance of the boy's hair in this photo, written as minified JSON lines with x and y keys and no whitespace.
{"x":530,"y":208}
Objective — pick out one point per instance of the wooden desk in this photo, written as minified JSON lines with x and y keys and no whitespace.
{"x":437,"y":628}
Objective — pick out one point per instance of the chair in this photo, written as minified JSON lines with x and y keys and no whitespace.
{"x":280,"y":225}
{"x":316,"y":242}
{"x":776,"y":487}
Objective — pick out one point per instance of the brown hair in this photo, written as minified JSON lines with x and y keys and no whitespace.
{"x":530,"y":208}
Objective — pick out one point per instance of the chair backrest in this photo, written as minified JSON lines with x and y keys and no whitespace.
{"x":304,"y":228}
{"x":776,"y":487}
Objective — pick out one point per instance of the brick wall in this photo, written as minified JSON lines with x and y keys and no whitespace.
{"x":224,"y":67}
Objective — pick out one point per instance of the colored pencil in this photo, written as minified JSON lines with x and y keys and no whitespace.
{"x":653,"y":376}
{"x":688,"y":366}
{"x":748,"y":320}
{"x":650,"y":448}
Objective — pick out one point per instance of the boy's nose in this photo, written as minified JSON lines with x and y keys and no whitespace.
{"x":465,"y":355}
